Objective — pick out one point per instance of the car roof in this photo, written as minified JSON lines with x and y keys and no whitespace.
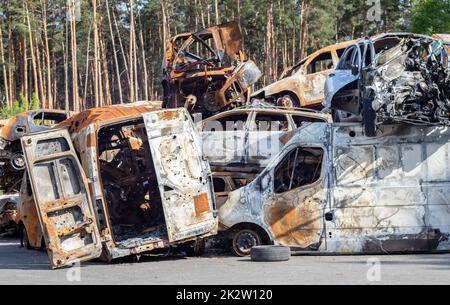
{"x":108,"y":113}
{"x":274,"y":109}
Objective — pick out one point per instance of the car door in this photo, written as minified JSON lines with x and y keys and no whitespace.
{"x":183,"y":175}
{"x":223,"y":137}
{"x":293,"y":210}
{"x":264,"y":133}
{"x":62,"y":198}
{"x":346,"y":73}
{"x":316,"y":70}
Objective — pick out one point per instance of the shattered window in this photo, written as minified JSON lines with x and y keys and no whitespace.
{"x":201,"y":51}
{"x":228,"y":123}
{"x":340,"y":52}
{"x":302,"y":166}
{"x":220,"y":185}
{"x":49,"y":119}
{"x":321,"y":63}
{"x":299,"y":120}
{"x":346,"y":60}
{"x":271,"y":122}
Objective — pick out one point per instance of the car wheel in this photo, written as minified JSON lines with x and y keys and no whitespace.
{"x":287,"y":101}
{"x":270,"y":254}
{"x":243,"y":241}
{"x":18,"y":161}
{"x":369,"y":118}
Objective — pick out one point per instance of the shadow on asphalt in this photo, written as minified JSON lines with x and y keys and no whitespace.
{"x":15,"y":257}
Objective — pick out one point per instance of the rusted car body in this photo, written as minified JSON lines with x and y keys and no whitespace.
{"x":116,"y":181}
{"x":392,"y":77}
{"x":207,"y":71}
{"x":250,"y":135}
{"x":12,"y":162}
{"x":333,"y":190}
{"x":8,"y":212}
{"x":302,"y":84}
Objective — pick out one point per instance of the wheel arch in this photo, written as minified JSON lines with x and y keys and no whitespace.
{"x":264,"y":234}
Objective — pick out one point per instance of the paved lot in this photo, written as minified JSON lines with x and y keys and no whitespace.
{"x":18,"y":266}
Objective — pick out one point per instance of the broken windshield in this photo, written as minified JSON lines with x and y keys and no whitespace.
{"x":198,"y":51}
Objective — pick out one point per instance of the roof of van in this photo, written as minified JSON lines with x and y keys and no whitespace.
{"x":108,"y":113}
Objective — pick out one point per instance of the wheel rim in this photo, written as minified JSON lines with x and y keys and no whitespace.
{"x":18,"y":161}
{"x":244,"y":241}
{"x":286,"y":101}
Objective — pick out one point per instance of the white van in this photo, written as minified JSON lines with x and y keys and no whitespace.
{"x":332,"y":189}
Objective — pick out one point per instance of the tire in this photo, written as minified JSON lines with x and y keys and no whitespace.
{"x":287,"y":101}
{"x":369,"y":118}
{"x":270,"y":254}
{"x":243,"y":241}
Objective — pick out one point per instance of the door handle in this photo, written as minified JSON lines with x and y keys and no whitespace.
{"x":329,"y":216}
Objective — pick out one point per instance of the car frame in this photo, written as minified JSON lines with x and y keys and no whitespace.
{"x":83,"y":224}
{"x":302,"y":85}
{"x":333,"y":190}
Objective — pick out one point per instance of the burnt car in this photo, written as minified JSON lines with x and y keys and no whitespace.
{"x":302,"y":84}
{"x":333,"y":190}
{"x":394,"y":77}
{"x":207,"y":71}
{"x":12,"y":162}
{"x":8,"y":212}
{"x":251,"y":135}
{"x":116,"y":181}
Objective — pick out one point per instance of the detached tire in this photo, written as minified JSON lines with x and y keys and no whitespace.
{"x":369,"y":118}
{"x":270,"y":254}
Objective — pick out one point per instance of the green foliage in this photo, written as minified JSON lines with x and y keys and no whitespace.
{"x":431,"y":17}
{"x":19,"y":106}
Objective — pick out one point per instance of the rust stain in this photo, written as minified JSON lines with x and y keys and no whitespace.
{"x":201,"y":204}
{"x":169,"y":115}
{"x":104,"y":114}
{"x":294,"y":225}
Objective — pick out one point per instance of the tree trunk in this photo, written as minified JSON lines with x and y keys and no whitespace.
{"x":65,"y":50}
{"x":268,"y":73}
{"x":5,"y":76}
{"x":86,"y":79}
{"x":131,"y":53}
{"x":144,"y":61}
{"x":32,"y":50}
{"x":42,"y":97}
{"x":12,"y":92}
{"x":107,"y":95}
{"x":47,"y":54}
{"x":73,"y":39}
{"x":304,"y":14}
{"x":116,"y":61}
{"x":216,"y":9}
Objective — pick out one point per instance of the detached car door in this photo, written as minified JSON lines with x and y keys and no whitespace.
{"x":183,"y":175}
{"x":347,"y":72}
{"x":62,"y":198}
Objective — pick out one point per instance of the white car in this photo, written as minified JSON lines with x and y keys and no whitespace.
{"x":252,"y":135}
